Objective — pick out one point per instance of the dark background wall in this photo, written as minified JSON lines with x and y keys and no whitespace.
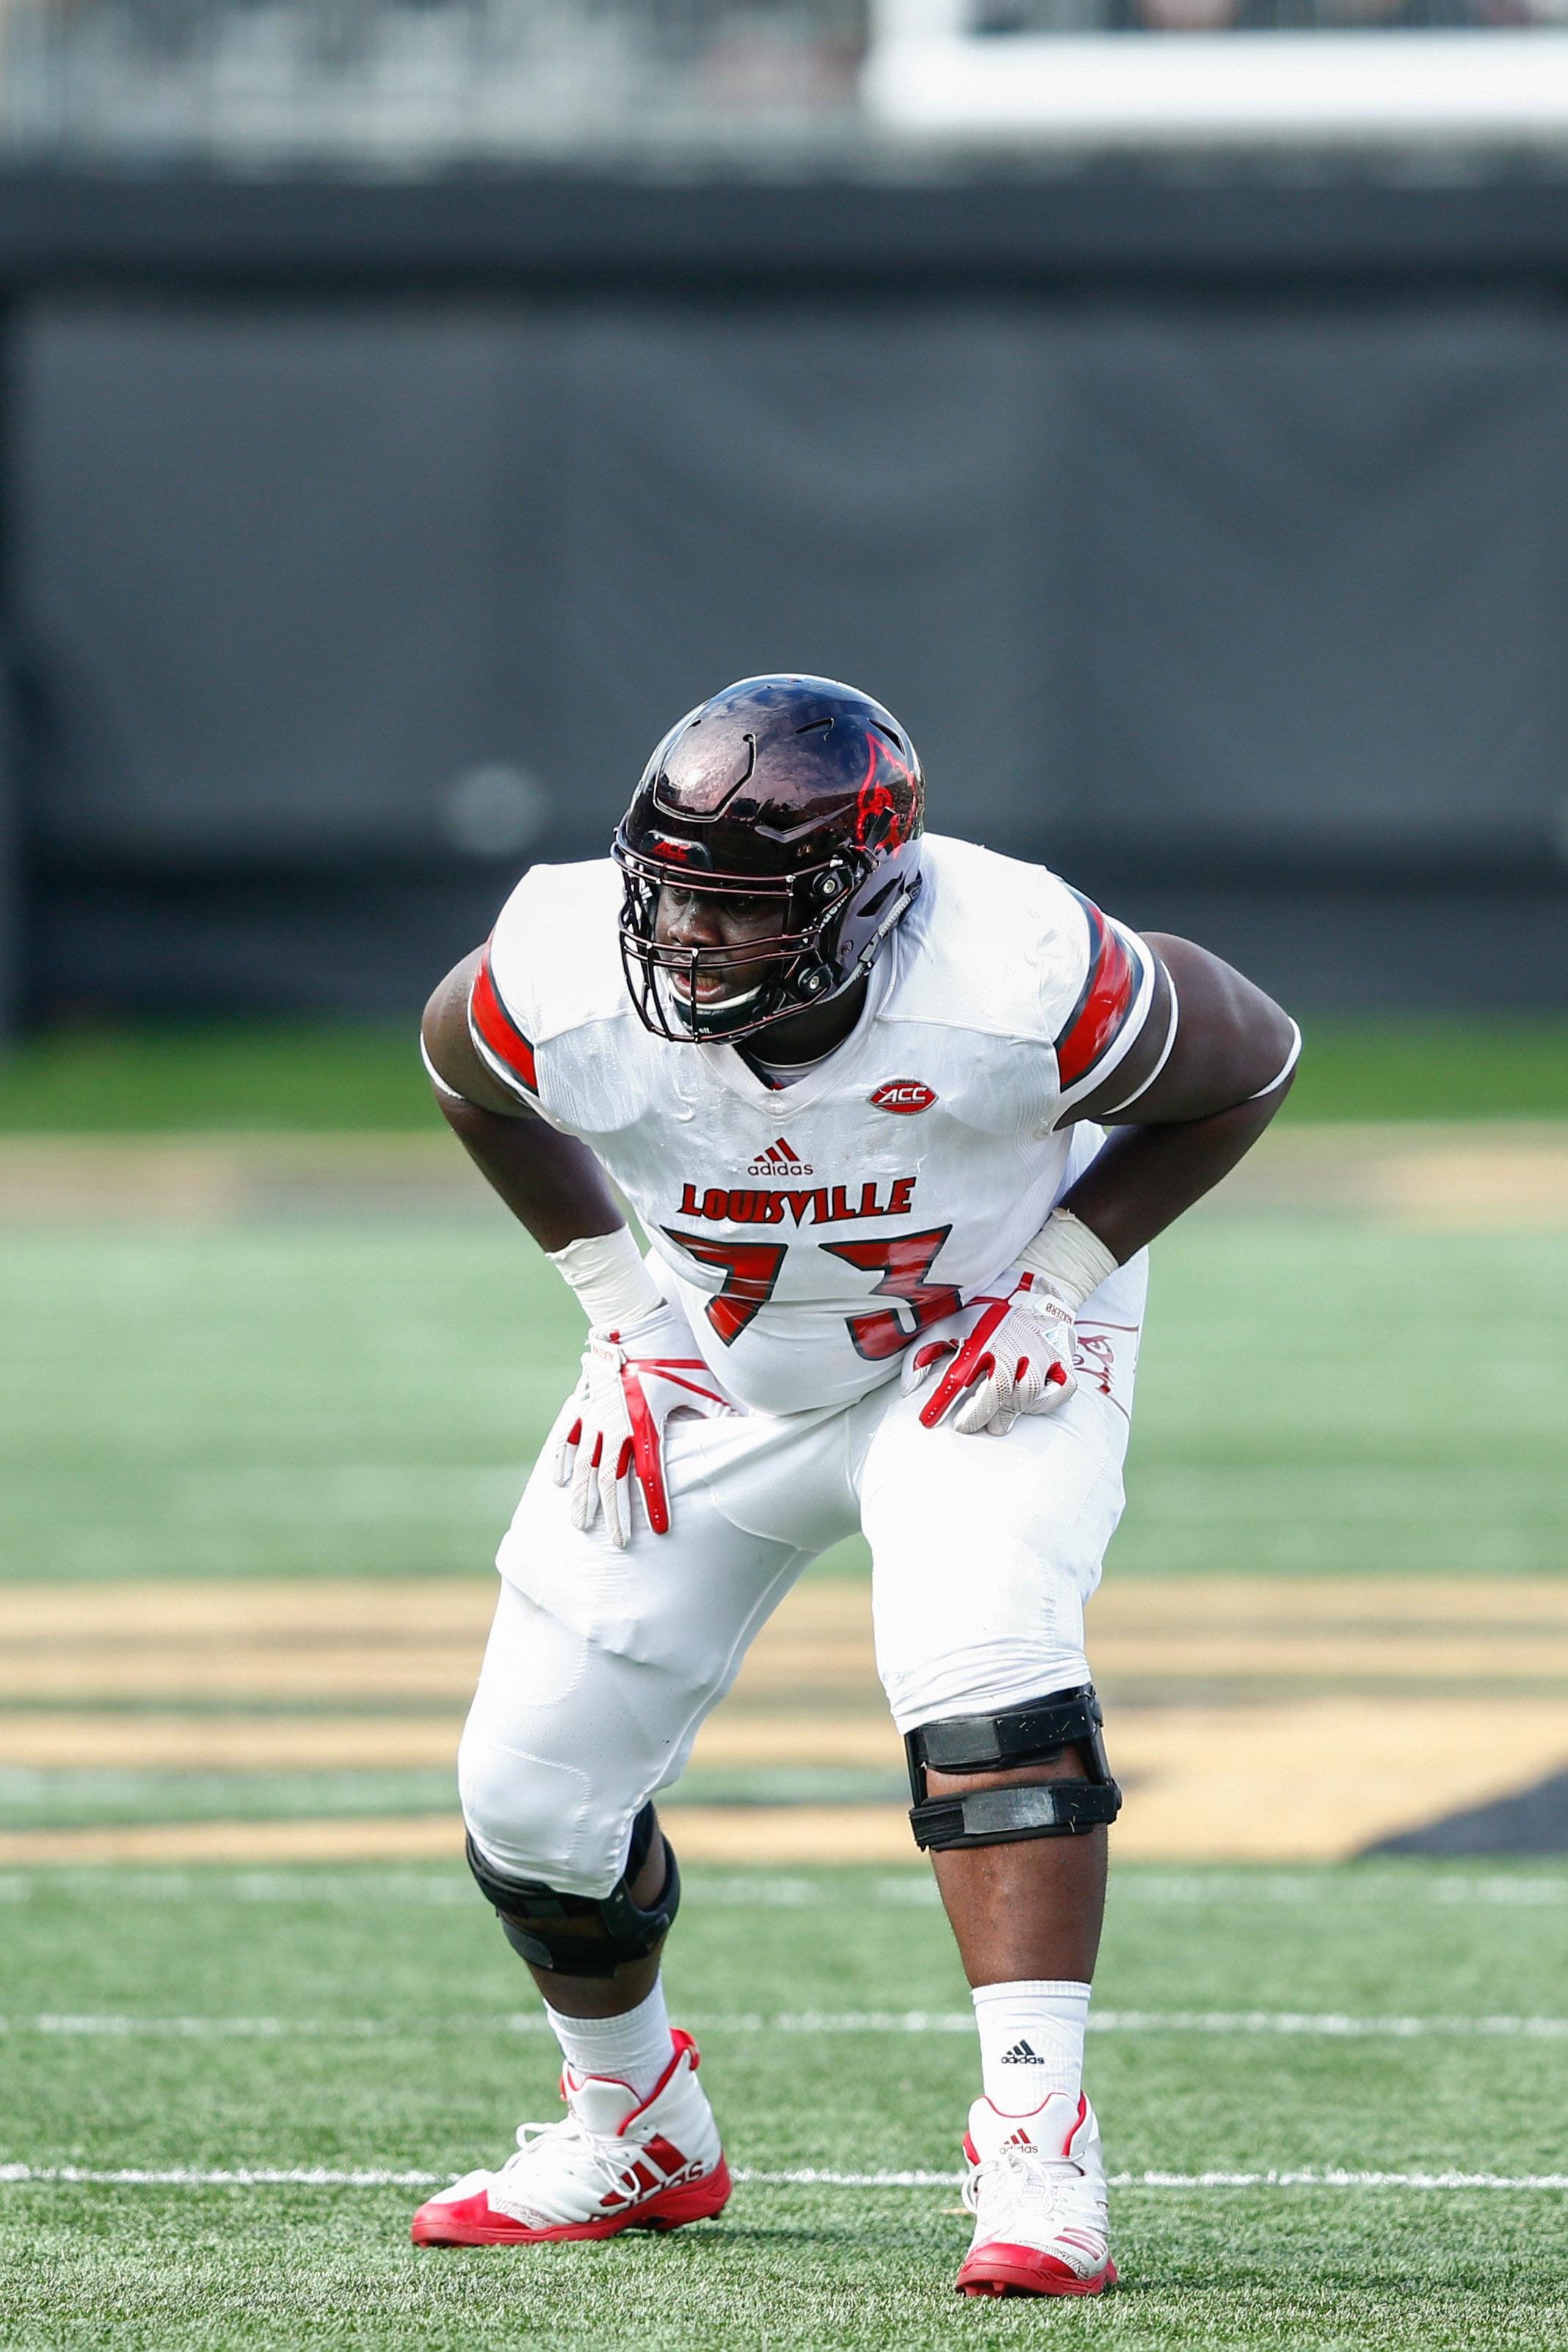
{"x":1211,"y":549}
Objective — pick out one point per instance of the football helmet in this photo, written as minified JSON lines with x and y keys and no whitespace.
{"x":795,"y":789}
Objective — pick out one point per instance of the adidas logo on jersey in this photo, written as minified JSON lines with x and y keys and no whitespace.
{"x":780,"y":1159}
{"x":1021,"y":2054}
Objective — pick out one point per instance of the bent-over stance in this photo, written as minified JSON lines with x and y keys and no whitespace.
{"x":854,"y":1081}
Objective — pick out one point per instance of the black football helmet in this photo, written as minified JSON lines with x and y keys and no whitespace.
{"x":798,"y":789}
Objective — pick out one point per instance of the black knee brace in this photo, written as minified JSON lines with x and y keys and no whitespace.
{"x":1034,"y":1734}
{"x":583,"y":1935}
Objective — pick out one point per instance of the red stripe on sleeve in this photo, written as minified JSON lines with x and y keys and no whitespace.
{"x":499,"y":1030}
{"x":1109,"y":995}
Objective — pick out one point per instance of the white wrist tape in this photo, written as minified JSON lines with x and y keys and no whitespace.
{"x":1065,"y":1254}
{"x":607,"y":1274}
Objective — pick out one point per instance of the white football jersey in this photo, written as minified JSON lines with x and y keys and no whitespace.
{"x":811,"y":1230}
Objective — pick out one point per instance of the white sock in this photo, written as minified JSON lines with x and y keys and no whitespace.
{"x":1031,"y":2040}
{"x":635,"y":2048}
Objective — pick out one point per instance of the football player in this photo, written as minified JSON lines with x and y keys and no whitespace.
{"x":855,"y":1080}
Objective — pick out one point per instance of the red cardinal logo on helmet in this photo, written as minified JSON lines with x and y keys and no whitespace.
{"x":876,"y":805}
{"x":879,"y":819}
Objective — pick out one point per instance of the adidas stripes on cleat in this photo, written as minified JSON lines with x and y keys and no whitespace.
{"x":1036,"y":2189}
{"x":609,"y":2165}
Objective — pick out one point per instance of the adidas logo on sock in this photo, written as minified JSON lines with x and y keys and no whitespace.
{"x":1021,"y":2054}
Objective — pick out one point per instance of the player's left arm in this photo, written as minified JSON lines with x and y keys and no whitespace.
{"x":1212,"y":1063}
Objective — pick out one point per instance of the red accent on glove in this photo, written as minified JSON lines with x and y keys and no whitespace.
{"x":965,"y":1367}
{"x":646,"y":1452}
{"x":973,"y":1362}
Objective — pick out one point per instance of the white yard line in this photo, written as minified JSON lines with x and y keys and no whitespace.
{"x":808,"y":2176}
{"x":1344,"y":1888}
{"x":1328,"y":2024}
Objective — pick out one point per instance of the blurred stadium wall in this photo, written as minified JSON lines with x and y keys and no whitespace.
{"x":409,"y":410}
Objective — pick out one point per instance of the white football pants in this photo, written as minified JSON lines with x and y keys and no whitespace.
{"x":602,"y":1664}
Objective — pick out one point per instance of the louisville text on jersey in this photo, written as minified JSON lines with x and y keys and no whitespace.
{"x":817,"y":1205}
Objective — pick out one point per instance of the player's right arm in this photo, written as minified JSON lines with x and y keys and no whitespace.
{"x":550,"y":1182}
{"x":641,"y":1363}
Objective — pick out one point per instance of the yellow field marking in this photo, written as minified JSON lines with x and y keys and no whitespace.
{"x":1334,"y":1630}
{"x":280,"y":1638}
{"x":1500,"y":1176}
{"x":170,"y":1670}
{"x":433,"y":1837}
{"x":742,"y":1834}
{"x":1344,"y":1657}
{"x":1317,"y":1780}
{"x":735,"y":1738}
{"x":1457,"y":1188}
{"x":47,"y":1180}
{"x":1304,"y":1781}
{"x":419,"y":1640}
{"x":1508,"y":1174}
{"x":46,"y":1742}
{"x":405,"y":1610}
{"x":212,"y":1179}
{"x":1278,"y":1603}
{"x":408,"y":1612}
{"x":706,"y":1833}
{"x":1304,"y":1775}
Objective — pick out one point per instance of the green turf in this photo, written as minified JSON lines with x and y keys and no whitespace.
{"x":310,"y":1399}
{"x":383,"y":2034}
{"x":244,"y":1077}
{"x":1432,"y":1068}
{"x":280,"y":1077}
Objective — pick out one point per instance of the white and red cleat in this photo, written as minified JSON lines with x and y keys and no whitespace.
{"x":609,"y":2165}
{"x":1036,"y":2189}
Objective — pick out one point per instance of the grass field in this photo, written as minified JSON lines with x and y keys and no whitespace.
{"x":264,"y":1408}
{"x":361,"y":1395}
{"x":252,"y":1076}
{"x":1400,"y":2022}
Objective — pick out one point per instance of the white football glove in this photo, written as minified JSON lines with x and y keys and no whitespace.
{"x":1002,"y":1356}
{"x":612,"y":1429}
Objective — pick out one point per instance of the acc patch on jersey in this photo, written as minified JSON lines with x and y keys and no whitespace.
{"x":904,"y":1095}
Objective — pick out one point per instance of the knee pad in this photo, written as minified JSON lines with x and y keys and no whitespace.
{"x":1036,"y":1733}
{"x":583,"y":1935}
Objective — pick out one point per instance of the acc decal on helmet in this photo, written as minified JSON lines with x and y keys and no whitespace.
{"x":798,"y":789}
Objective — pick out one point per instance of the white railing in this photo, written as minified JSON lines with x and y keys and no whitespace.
{"x":701,"y":85}
{"x":1142,"y":74}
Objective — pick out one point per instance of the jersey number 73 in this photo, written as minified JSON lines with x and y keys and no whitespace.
{"x":752,"y":1269}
